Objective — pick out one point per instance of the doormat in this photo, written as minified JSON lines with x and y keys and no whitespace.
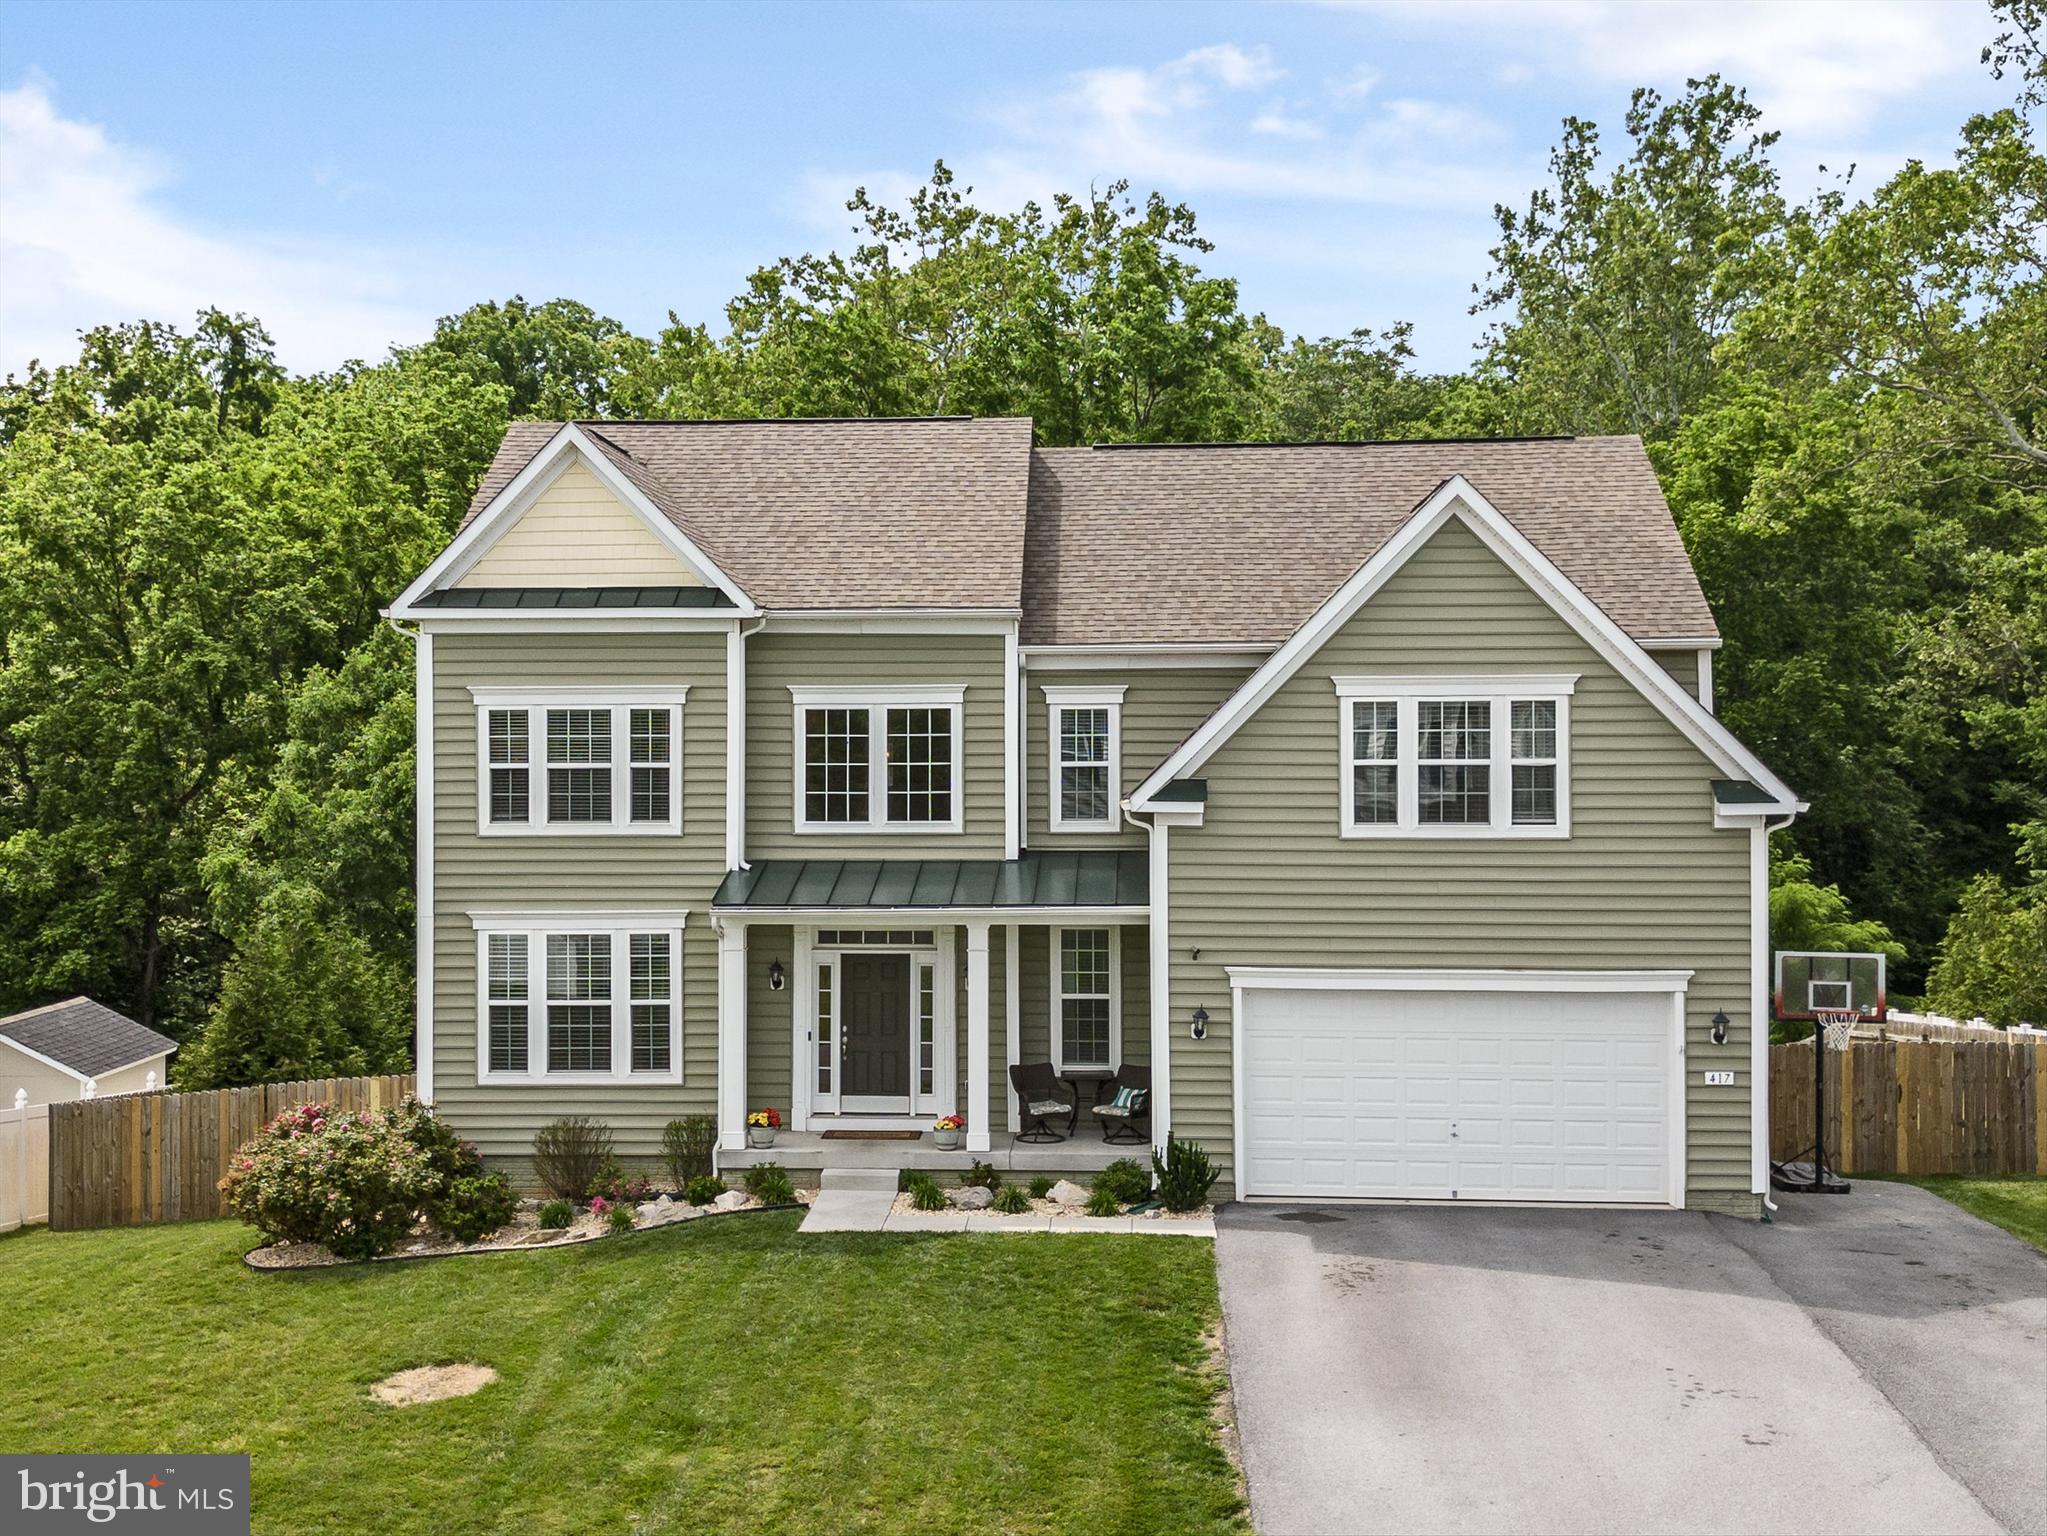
{"x":873,"y":1135}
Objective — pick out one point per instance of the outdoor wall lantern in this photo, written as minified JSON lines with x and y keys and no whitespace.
{"x":1200,"y":1030}
{"x":1720,"y":1027}
{"x":776,"y":976}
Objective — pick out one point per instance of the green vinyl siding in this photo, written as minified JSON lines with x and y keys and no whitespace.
{"x":556,"y":873}
{"x":1682,"y":665}
{"x":770,"y":1021}
{"x":777,"y":661}
{"x":1643,"y":882}
{"x":1161,"y":707}
{"x":1035,"y":994}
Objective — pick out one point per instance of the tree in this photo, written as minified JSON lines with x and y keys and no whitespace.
{"x":1993,"y":961}
{"x":1614,"y":290}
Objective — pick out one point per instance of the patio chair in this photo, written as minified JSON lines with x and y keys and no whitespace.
{"x":1042,"y":1096}
{"x":1125,"y":1107}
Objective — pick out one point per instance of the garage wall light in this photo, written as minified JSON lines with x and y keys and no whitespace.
{"x":1720,"y":1027}
{"x":1200,"y":1030}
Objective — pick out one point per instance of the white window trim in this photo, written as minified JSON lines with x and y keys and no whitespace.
{"x":1060,"y":994}
{"x":877,"y":701}
{"x":536,"y":703}
{"x":619,"y":927}
{"x":1057,"y":699}
{"x":1501,"y":691}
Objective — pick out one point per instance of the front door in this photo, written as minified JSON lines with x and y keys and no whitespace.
{"x":874,"y":1036}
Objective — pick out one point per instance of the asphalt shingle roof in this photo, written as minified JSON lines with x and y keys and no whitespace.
{"x":1118,"y":546}
{"x":86,"y":1036}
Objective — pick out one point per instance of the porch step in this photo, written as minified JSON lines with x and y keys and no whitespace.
{"x":860,"y":1178}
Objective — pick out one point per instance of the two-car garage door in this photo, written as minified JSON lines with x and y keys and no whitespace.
{"x":1441,"y":1093}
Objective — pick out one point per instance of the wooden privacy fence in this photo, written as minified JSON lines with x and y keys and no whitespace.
{"x":1906,"y":1106}
{"x":146,"y":1157}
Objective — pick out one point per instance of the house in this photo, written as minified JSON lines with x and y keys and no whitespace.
{"x":78,"y":1049}
{"x":1370,"y":795}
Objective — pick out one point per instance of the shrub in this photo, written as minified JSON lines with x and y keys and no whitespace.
{"x":568,"y":1155}
{"x":615,"y":1183}
{"x":983,"y":1174}
{"x":703,"y":1189}
{"x":448,"y":1155}
{"x":353,"y":1182}
{"x":1185,"y":1177}
{"x":1126,"y":1180}
{"x":473,"y":1206}
{"x":769,"y":1184}
{"x":619,"y":1218}
{"x":1011,"y":1200}
{"x":556,"y":1214}
{"x":925,"y":1195}
{"x":1041,"y":1185}
{"x":1101,"y":1202}
{"x":686,"y":1146}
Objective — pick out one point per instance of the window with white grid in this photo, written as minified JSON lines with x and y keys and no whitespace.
{"x":608,"y":762}
{"x":1084,"y":729}
{"x":579,"y":997}
{"x":1455,"y":756}
{"x":878,"y":762}
{"x":1088,"y":1032}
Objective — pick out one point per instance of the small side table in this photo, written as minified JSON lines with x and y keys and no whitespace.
{"x":1087,"y":1083}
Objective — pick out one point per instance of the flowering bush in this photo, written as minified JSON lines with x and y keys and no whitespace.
{"x":357,"y":1182}
{"x":769,"y":1117}
{"x":354,"y":1182}
{"x":949,"y":1123}
{"x":615,"y":1184}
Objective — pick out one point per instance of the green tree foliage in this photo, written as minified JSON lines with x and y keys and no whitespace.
{"x":1807,"y":915}
{"x":1993,"y":958}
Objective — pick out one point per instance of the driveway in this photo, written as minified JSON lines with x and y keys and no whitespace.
{"x":1871,"y":1363}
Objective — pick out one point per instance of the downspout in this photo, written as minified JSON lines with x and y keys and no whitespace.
{"x":1759,"y":1026}
{"x":1159,"y":981}
{"x":422,"y":857}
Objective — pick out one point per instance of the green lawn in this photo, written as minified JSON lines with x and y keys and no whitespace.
{"x":2016,"y":1202}
{"x":723,"y":1376}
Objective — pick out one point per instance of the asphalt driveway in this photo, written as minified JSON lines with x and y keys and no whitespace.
{"x":1875,"y":1362}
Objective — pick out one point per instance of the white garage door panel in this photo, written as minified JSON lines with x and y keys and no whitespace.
{"x":1442,"y":1094}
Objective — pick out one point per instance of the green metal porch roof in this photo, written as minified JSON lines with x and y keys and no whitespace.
{"x":1049,"y":880}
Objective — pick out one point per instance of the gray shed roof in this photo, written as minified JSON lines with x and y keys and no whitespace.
{"x":1099,"y":879}
{"x":88,"y":1037}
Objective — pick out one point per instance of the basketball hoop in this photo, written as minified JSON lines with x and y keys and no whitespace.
{"x":1836,"y":1024}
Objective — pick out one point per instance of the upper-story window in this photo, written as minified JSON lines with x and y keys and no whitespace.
{"x":597,"y":760}
{"x":1455,"y":756}
{"x":1085,"y":734}
{"x":878,"y":759}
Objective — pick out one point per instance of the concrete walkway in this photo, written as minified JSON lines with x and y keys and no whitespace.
{"x":1872,"y":1364}
{"x":852,"y":1200}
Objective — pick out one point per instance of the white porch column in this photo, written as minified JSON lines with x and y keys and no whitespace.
{"x":977,"y":1037}
{"x":1161,"y":983}
{"x":1012,"y":1023}
{"x":731,"y":1034}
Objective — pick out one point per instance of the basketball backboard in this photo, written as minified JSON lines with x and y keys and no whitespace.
{"x":1809,"y":982}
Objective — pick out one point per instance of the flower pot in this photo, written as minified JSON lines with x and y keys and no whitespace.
{"x":760,"y":1135}
{"x":948,"y":1141}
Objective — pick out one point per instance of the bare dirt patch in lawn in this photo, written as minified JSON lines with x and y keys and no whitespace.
{"x":433,"y":1383}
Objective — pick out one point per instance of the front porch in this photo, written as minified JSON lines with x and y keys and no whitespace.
{"x":802,"y":1151}
{"x":883,"y":994}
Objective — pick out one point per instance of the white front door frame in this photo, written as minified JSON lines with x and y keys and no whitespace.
{"x":815,"y":1061}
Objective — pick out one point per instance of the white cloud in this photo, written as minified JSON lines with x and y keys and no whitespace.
{"x":1810,"y":66}
{"x":86,"y":239}
{"x":1279,"y":125}
{"x":1355,"y":86}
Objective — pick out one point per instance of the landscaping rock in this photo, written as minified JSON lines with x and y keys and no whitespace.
{"x":659,"y":1213}
{"x":1066,"y":1192}
{"x":971,"y":1198}
{"x":731,"y":1200}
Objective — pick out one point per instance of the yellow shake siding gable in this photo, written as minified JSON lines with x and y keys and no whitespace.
{"x":577,"y":534}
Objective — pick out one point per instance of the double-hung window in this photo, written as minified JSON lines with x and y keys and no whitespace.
{"x":1088,"y":1027}
{"x":596,"y":760}
{"x":1455,"y":756}
{"x":592,"y":997}
{"x":878,"y":759}
{"x":1085,"y":732}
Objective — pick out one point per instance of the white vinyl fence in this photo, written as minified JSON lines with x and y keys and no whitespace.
{"x":24,"y":1163}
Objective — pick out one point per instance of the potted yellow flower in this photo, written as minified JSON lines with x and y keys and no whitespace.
{"x":945,"y":1130}
{"x":761,"y":1126}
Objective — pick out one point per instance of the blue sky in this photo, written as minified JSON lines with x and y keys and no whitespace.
{"x":350,"y":171}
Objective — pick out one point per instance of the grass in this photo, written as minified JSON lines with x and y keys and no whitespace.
{"x":720,"y":1376}
{"x":2016,"y":1202}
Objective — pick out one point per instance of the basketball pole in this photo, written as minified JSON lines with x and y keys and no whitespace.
{"x":1824,"y":1182}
